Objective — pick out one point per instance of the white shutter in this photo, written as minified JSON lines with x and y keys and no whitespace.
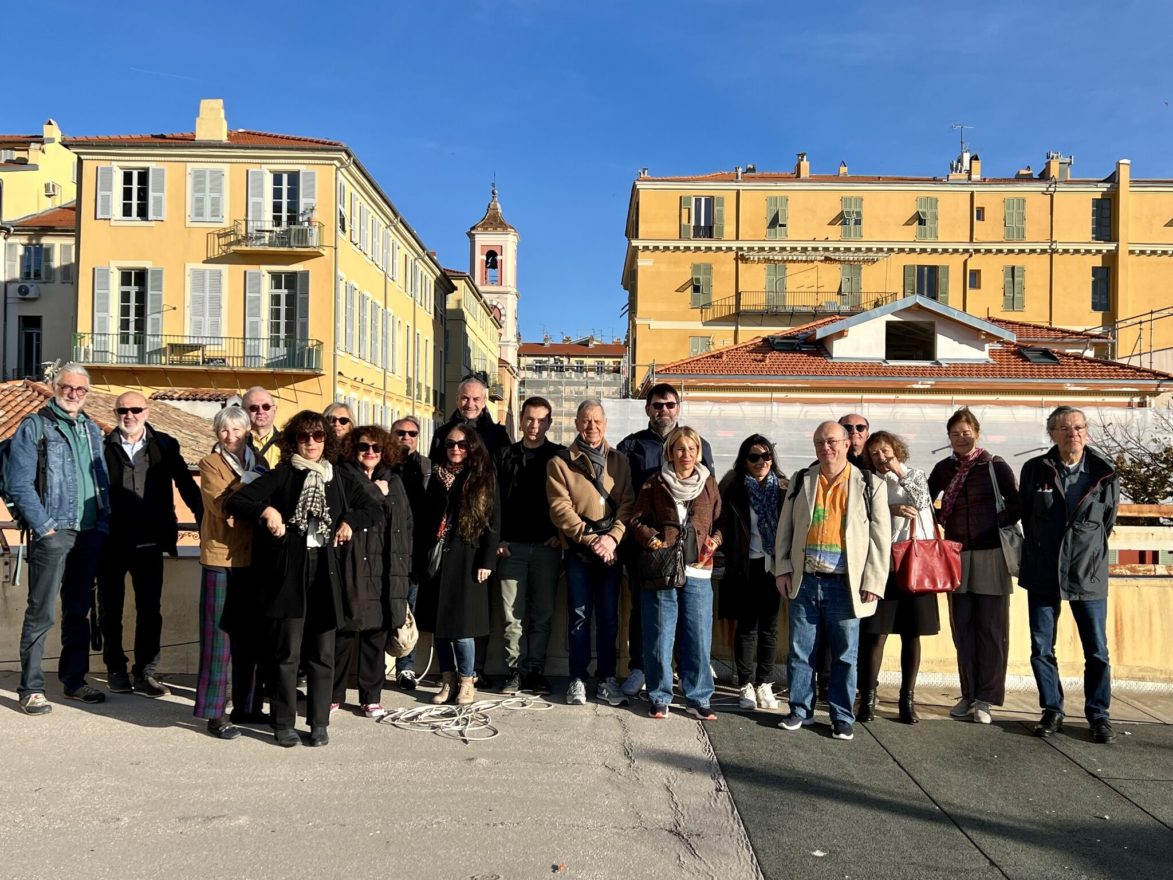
{"x":11,"y":261}
{"x":353,"y":218}
{"x":102,"y":307}
{"x":47,"y":262}
{"x":66,"y":263}
{"x":198,"y":188}
{"x":308,"y":187}
{"x":385,"y":360}
{"x":351,"y":306}
{"x":254,"y":325}
{"x":395,"y":260}
{"x":157,"y":206}
{"x":388,"y":263}
{"x":104,"y":205}
{"x":341,"y":205}
{"x":154,"y":307}
{"x":364,"y":229}
{"x":373,"y":329}
{"x":362,"y":327}
{"x":197,"y":299}
{"x":256,"y":199}
{"x":215,"y":292}
{"x":215,"y":198}
{"x":339,"y":315}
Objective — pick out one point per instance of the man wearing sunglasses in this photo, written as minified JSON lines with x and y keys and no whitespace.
{"x":414,"y":470}
{"x":472,"y":397}
{"x":262,"y":413}
{"x":645,"y":456}
{"x":858,"y":431}
{"x":145,"y":468}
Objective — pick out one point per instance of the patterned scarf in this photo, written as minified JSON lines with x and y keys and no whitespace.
{"x":311,"y":504}
{"x":446,"y":473}
{"x":763,"y":498}
{"x":966,"y":463}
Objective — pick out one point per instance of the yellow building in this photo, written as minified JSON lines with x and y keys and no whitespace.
{"x":228,"y":258}
{"x":37,"y":173}
{"x":718,"y":259}
{"x":472,"y":341}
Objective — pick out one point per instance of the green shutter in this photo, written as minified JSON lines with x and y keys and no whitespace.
{"x":777,"y":208}
{"x":775,"y":285}
{"x":1007,"y":288}
{"x":702,"y":284}
{"x":1019,"y":288}
{"x":1013,"y":288}
{"x":686,"y":216}
{"x":47,"y":262}
{"x":943,"y":285}
{"x":1014,"y":219}
{"x":926,"y":228}
{"x":719,"y":217}
{"x":852,"y":210}
{"x":849,"y":284}
{"x":909,"y":280}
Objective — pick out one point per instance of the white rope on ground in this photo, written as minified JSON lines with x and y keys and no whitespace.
{"x":471,"y":723}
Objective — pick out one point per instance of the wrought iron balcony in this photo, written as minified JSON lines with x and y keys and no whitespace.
{"x":244,"y":236}
{"x":206,"y":352}
{"x":811,"y":302}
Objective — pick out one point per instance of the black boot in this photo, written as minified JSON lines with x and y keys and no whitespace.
{"x":907,"y":706}
{"x":867,"y":707}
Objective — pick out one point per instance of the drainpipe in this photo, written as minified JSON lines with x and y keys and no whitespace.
{"x":8,"y":229}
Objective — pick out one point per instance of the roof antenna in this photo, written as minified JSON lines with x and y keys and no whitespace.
{"x":961,"y":127}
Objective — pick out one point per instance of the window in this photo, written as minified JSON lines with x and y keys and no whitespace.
{"x":910,"y":341}
{"x":777,"y":216}
{"x":205,"y":303}
{"x":979,"y":214}
{"x":927,"y":281}
{"x":1101,"y":289}
{"x":1015,"y":220}
{"x":926,"y":218}
{"x":132,"y":307}
{"x":850,"y":281}
{"x":135,"y":193}
{"x":286,"y":198}
{"x":1013,"y":288}
{"x":702,"y":285}
{"x":699,"y":345}
{"x":363,"y":351}
{"x":975,"y":279}
{"x":492,"y":268}
{"x":206,"y":195}
{"x":28,"y":346}
{"x":282,"y":310}
{"x":851,"y":217}
{"x":36,"y":262}
{"x":342,"y":207}
{"x":1101,"y":219}
{"x":775,"y":286}
{"x":702,"y":217}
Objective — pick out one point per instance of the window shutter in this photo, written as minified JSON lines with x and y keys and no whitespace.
{"x":303,"y":309}
{"x":154,"y":306}
{"x":197,"y":302}
{"x":256,"y":199}
{"x":852,"y":210}
{"x":388,"y":329}
{"x":388,"y":263}
{"x":339,"y":315}
{"x":215,"y":290}
{"x":351,"y":306}
{"x":395,"y":260}
{"x":776,"y":285}
{"x":909,"y":280}
{"x":101,"y":306}
{"x":215,"y":203}
{"x":362,"y":327}
{"x":1014,"y":211}
{"x":364,"y":230}
{"x":943,"y":285}
{"x":931,"y":229}
{"x":926,"y":207}
{"x":47,"y":262}
{"x":67,"y":263}
{"x":685,"y":219}
{"x":11,"y":261}
{"x":702,"y":284}
{"x":104,"y":205}
{"x":1007,"y":288}
{"x":777,"y":208}
{"x":719,"y":217}
{"x":198,"y":188}
{"x":1019,"y":288}
{"x":373,"y":345}
{"x":341,"y":205}
{"x":157,"y":209}
{"x":253,"y":307}
{"x":849,"y":284}
{"x":308,"y":187}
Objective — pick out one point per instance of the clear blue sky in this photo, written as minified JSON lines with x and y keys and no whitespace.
{"x":564,"y":101}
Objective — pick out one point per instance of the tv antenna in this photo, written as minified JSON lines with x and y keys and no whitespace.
{"x":961,"y":127}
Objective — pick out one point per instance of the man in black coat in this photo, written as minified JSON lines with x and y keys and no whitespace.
{"x":145,"y":469}
{"x":1069,"y":500}
{"x":414,"y":470}
{"x":472,"y":396}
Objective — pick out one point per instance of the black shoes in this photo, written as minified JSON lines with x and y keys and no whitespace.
{"x":867,"y":707}
{"x":406,"y":680}
{"x":1101,"y":731}
{"x":319,"y":736}
{"x":536,"y":683}
{"x":286,"y":737}
{"x":512,"y":685}
{"x":150,"y":687}
{"x":240,"y":716}
{"x":86,"y":694}
{"x":842,"y":730}
{"x":1051,"y":723}
{"x":907,"y":708}
{"x":118,"y":682}
{"x":222,"y":728}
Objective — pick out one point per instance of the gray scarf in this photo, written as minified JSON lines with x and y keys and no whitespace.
{"x":597,"y":459}
{"x":311,"y":504}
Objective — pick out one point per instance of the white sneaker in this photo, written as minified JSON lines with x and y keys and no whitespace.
{"x":963,"y":708}
{"x":766,"y":698}
{"x":576,"y":693}
{"x":748,"y":699}
{"x":634,"y":683}
{"x":373,"y":710}
{"x":611,"y":693}
{"x":981,"y":712}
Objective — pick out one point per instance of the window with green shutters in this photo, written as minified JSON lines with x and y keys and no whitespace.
{"x":1013,"y":288}
{"x":775,"y":286}
{"x":699,"y":345}
{"x":850,"y":275}
{"x":927,"y":281}
{"x":851,"y":217}
{"x":1015,"y":220}
{"x":777,"y":208}
{"x":702,"y":284}
{"x":1101,"y":288}
{"x":1101,"y":219}
{"x":926,"y":218}
{"x":702,"y":217}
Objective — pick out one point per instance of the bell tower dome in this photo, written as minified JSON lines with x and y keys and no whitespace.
{"x":493,"y":263}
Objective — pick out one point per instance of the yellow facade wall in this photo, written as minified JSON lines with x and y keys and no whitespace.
{"x":35,"y":164}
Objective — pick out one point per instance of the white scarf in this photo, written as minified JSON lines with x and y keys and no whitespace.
{"x":244,"y":466}
{"x":683,"y":491}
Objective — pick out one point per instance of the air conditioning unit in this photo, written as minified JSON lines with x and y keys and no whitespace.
{"x":52,"y":190}
{"x":24,"y":290}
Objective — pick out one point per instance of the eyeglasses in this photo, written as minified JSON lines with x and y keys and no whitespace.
{"x":73,"y":390}
{"x":260,"y":407}
{"x":363,"y":446}
{"x":456,"y":444}
{"x":755,"y":457}
{"x":408,"y":433}
{"x":664,"y":404}
{"x":339,"y":420}
{"x":862,"y":429}
{"x":133,"y":410}
{"x":306,"y":436}
{"x":831,"y":441}
{"x":1070,"y":429}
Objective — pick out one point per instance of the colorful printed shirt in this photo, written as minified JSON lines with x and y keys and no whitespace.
{"x":826,"y":537}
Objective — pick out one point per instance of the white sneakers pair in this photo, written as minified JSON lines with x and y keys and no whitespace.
{"x":761,"y":697}
{"x":979,"y":709}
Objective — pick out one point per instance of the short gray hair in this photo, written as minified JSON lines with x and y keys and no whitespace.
{"x":1059,"y":412}
{"x":400,"y":421}
{"x":230,"y":415}
{"x":70,"y":367}
{"x":589,"y":403}
{"x":473,"y":380}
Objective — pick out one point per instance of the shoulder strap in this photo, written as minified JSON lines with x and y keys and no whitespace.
{"x":1001,"y":505}
{"x":796,"y":484}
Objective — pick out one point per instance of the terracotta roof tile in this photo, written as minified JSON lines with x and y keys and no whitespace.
{"x":240,"y":137}
{"x":1025,"y":330}
{"x":493,"y":221}
{"x":62,"y":217}
{"x":571,"y":349}
{"x":19,"y":140}
{"x":213,"y":395}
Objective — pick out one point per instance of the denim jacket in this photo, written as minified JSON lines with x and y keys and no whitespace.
{"x":60,"y":508}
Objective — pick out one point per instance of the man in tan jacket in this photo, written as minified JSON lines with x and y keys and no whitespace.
{"x":589,"y":488}
{"x":831,"y":559}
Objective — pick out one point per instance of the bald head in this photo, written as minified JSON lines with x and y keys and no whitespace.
{"x":131,"y":412}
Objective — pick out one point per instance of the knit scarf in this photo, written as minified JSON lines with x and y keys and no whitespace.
{"x":763,"y":499}
{"x":597,"y":459}
{"x":965,"y":465}
{"x":686,"y":489}
{"x":311,"y":504}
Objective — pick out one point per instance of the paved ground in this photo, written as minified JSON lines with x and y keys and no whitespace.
{"x":136,"y":788}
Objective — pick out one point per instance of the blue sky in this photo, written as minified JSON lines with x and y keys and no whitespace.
{"x":563,"y":101}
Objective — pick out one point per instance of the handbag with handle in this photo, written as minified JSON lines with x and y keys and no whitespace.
{"x":402,"y":640}
{"x":1010,"y":536}
{"x":927,"y":565}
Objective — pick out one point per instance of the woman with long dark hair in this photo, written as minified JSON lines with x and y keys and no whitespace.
{"x":751,"y":500}
{"x":462,"y":514}
{"x":302,"y":511}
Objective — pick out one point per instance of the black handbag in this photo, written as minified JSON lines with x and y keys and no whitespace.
{"x":436,"y":554}
{"x":663,"y":569}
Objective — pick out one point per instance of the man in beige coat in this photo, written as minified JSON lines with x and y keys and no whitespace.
{"x":831,"y":559}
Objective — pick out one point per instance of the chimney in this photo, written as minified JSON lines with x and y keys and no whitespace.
{"x":751,"y":168}
{"x":211,"y":124}
{"x":975,"y":167}
{"x":738,"y":170}
{"x":1050,"y":167}
{"x":50,"y":131}
{"x":802,"y":167}
{"x":1024,"y":172}
{"x":842,"y":169}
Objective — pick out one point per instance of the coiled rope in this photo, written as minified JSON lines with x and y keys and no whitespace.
{"x":469,"y":724}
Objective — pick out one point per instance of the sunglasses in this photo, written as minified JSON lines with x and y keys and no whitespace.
{"x":664,"y":404}
{"x":862,"y":429}
{"x":456,"y":444}
{"x":317,"y":436}
{"x":363,"y":446}
{"x":260,"y":407}
{"x":135,"y":410}
{"x":755,"y":457}
{"x":339,"y":420}
{"x":408,"y":433}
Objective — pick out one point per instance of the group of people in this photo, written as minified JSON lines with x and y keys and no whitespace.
{"x":323,"y":536}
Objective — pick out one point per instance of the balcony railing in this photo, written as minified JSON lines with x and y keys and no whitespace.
{"x":208,"y":352}
{"x":244,"y":235}
{"x":812,"y":302}
{"x":496,"y":391}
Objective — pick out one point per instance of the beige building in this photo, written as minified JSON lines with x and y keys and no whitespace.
{"x":37,"y":173}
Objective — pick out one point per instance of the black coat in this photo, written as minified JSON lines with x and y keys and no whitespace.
{"x":974,"y":519}
{"x":451,"y":604}
{"x":525,"y":507}
{"x":149,"y":519}
{"x":279,"y":564}
{"x":494,"y":436}
{"x":416,"y":473}
{"x":734,"y":525}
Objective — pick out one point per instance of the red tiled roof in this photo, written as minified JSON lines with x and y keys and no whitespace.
{"x":1026,"y":330}
{"x":493,"y":221}
{"x":571,"y":349}
{"x":62,"y":217}
{"x":19,"y":140}
{"x":213,"y":395}
{"x":240,"y":137}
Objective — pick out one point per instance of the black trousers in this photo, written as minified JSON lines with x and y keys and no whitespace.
{"x":145,"y":566}
{"x":305,"y":638}
{"x":372,"y":665}
{"x":756,"y":635}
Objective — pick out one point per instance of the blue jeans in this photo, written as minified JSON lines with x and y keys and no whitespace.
{"x":592,"y":589}
{"x":529,"y":582}
{"x":823,"y":604}
{"x":66,"y":564}
{"x":1091,"y":619}
{"x":406,"y":663}
{"x":456,"y":655}
{"x":686,"y":613}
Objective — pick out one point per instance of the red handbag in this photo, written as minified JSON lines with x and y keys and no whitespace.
{"x":927,"y":565}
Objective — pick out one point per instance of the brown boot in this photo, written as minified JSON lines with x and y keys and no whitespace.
{"x":447,"y":688}
{"x":467,"y":693}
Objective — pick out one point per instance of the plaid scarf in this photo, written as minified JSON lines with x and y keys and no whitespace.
{"x":965,"y":465}
{"x":311,"y":504}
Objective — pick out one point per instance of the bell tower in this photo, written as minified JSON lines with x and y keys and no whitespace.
{"x":493,"y":263}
